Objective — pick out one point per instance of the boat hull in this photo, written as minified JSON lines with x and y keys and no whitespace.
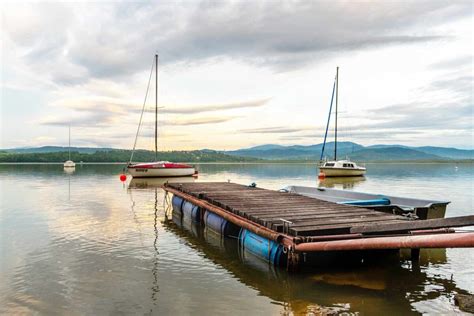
{"x":436,"y":209}
{"x":69,"y":164}
{"x":160,"y":172}
{"x":342,"y":172}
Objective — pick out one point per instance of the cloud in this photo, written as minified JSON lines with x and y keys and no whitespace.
{"x":281,"y":36}
{"x":200,"y":121}
{"x":97,"y":119}
{"x":273,"y":130}
{"x":214,"y":107}
{"x":453,"y":63}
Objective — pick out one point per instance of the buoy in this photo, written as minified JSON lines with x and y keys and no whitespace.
{"x":321,"y":175}
{"x":123,"y":177}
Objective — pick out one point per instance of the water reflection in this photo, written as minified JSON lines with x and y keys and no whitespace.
{"x":147,"y":183}
{"x":83,"y":242}
{"x":362,"y":288}
{"x":341,"y":182}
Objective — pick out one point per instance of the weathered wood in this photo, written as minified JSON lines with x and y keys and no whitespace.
{"x":309,"y":216}
{"x":415,"y":225}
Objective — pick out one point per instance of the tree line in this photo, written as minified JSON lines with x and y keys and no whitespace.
{"x":124,"y":156}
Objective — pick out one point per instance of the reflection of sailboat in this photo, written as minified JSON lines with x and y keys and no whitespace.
{"x":338,"y":168}
{"x":69,"y":163}
{"x":344,"y":182}
{"x":157,"y":168}
{"x":69,"y":170}
{"x":144,"y":183}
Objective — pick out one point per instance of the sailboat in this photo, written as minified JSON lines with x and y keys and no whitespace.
{"x":337,"y":168}
{"x":157,"y":168}
{"x":69,"y":163}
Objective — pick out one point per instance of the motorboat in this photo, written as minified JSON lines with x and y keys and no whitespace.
{"x":424,"y":209}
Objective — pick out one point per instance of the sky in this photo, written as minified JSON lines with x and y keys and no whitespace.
{"x":236,"y":74}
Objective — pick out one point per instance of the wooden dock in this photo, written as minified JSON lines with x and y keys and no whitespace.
{"x":303,"y":223}
{"x":305,"y":216}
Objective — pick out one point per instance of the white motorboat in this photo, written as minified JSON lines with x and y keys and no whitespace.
{"x":341,"y":168}
{"x":69,"y":163}
{"x":157,"y":168}
{"x":337,"y":168}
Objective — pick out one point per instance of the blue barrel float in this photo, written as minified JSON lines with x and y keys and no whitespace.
{"x":262,"y":247}
{"x":191,"y":211}
{"x":177,"y":203}
{"x":219,"y":225}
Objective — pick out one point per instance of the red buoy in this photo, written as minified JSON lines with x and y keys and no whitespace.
{"x":321,"y":175}
{"x":123,"y":177}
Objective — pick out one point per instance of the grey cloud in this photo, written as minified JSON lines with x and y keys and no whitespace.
{"x":272,"y":130}
{"x":214,"y":107}
{"x":461,"y":85}
{"x":453,"y":63}
{"x":201,"y":121}
{"x":272,"y":34}
{"x":89,"y":120}
{"x":420,"y":116}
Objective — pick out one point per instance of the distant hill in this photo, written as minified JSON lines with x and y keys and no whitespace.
{"x":118,"y":155}
{"x":453,"y":153}
{"x":354,"y":151}
{"x":295,"y":152}
{"x":262,"y":152}
{"x":55,"y":149}
{"x":392,"y":154}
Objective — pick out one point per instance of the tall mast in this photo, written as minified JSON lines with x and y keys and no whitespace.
{"x":156,"y":107}
{"x":335,"y":128}
{"x":69,"y":142}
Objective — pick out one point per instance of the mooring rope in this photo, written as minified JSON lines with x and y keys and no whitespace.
{"x":143,"y":110}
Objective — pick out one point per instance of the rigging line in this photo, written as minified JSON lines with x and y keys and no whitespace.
{"x":143,"y":110}
{"x":329,"y":118}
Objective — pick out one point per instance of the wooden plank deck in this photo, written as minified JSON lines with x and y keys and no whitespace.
{"x":308,"y":216}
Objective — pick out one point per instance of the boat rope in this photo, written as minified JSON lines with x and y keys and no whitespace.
{"x":329,"y":118}
{"x":143,"y":110}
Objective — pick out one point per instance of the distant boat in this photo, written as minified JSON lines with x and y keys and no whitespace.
{"x":69,"y":163}
{"x":338,"y":168}
{"x":157,"y":168}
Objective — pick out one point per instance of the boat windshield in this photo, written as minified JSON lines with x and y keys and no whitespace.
{"x":329,"y":164}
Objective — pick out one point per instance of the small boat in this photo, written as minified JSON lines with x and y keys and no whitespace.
{"x":157,"y":168}
{"x":160,"y":169}
{"x":341,"y":168}
{"x":69,"y":163}
{"x":337,"y":168}
{"x":387,"y":203}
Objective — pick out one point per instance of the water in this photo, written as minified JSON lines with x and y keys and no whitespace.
{"x":84,"y":243}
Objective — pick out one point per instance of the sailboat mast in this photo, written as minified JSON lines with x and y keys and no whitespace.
{"x":156,"y":107}
{"x":335,"y":128}
{"x":69,"y":142}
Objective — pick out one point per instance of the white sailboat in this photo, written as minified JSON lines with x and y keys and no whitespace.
{"x":338,"y":168}
{"x":69,"y":163}
{"x":157,"y":168}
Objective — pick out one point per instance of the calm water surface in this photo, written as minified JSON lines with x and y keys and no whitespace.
{"x":84,"y":243}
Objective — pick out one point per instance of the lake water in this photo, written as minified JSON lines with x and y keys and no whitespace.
{"x":84,"y":243}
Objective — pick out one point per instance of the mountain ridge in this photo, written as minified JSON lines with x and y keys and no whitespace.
{"x":352,"y":150}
